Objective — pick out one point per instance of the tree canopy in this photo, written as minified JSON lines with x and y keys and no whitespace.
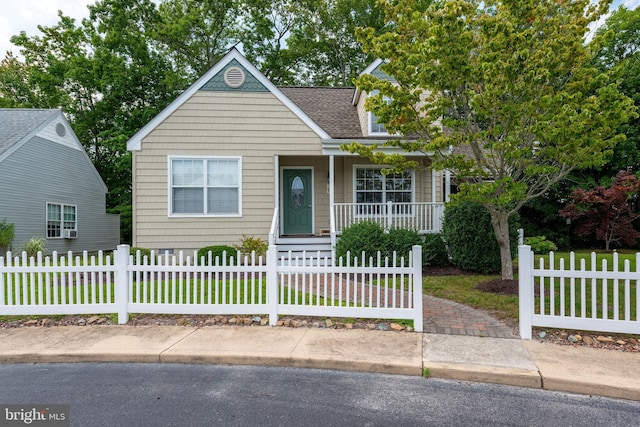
{"x":503,"y":93}
{"x":115,"y":70}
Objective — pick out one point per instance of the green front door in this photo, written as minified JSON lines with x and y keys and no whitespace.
{"x":297,"y":201}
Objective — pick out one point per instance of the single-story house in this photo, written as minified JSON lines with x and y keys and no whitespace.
{"x":235,"y":155}
{"x":49,"y":187}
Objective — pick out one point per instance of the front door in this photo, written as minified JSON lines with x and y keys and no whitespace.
{"x":297,"y":201}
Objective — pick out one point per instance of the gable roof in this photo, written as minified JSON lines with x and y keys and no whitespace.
{"x":234,"y":56}
{"x":20,"y":125}
{"x":329,"y":107}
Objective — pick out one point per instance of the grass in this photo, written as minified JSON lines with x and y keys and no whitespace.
{"x":584,"y":255}
{"x":462,"y":289}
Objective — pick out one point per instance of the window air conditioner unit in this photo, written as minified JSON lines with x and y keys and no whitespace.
{"x":70,"y":234}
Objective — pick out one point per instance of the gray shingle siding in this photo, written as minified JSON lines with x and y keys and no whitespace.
{"x":42,"y":171}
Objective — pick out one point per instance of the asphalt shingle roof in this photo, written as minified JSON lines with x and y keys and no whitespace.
{"x":16,"y":123}
{"x":329,"y":107}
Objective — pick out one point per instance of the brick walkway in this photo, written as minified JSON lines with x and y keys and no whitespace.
{"x":448,"y":317}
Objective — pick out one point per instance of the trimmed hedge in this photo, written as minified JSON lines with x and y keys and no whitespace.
{"x":434,"y":251}
{"x":401,"y":240}
{"x":469,"y":236}
{"x":216,"y":251}
{"x":366,"y":236}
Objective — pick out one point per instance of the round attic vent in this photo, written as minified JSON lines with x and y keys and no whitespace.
{"x":61,"y":130}
{"x":234,"y":77}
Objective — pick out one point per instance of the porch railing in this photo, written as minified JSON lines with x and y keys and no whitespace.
{"x":423,"y":217}
{"x":275,"y":227}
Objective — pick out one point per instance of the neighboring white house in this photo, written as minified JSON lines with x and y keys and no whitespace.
{"x":48,"y":186}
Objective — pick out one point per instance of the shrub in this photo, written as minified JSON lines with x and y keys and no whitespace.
{"x":540,"y":244}
{"x":35,"y":245}
{"x":434,"y":251}
{"x":6,"y":236}
{"x":401,"y":241}
{"x":143,"y":252}
{"x":216,"y":251}
{"x":366,"y":236}
{"x":469,"y":236}
{"x":249,"y":244}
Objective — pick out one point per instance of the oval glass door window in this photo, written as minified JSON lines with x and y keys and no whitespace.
{"x":297,"y":192}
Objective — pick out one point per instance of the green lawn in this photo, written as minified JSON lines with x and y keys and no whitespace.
{"x":462,"y":289}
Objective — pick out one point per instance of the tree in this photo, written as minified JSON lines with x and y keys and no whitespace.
{"x":324,"y":44}
{"x":105,"y":75}
{"x":502,"y":93}
{"x":195,"y":34}
{"x":606,"y":211}
{"x":267,"y":28}
{"x":616,"y":47}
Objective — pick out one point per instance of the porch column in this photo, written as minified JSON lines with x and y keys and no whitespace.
{"x":447,"y":185}
{"x":434,"y":188}
{"x":276,"y":181}
{"x":332,"y":219}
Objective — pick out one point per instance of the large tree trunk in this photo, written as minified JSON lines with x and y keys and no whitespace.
{"x":500,"y":222}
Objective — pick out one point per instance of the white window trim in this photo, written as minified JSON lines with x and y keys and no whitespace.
{"x":62,"y":221}
{"x":354,"y":175}
{"x":370,"y":125}
{"x":203,"y":215}
{"x":370,"y":117}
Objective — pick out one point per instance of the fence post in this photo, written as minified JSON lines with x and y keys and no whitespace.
{"x":525,"y":285}
{"x":389,"y":215}
{"x":418,"y":317}
{"x":272,"y":284}
{"x":122,"y":283}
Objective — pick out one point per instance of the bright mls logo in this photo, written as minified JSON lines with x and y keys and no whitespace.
{"x":34,"y":415}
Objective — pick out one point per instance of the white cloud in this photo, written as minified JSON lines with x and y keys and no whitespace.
{"x":26,"y":15}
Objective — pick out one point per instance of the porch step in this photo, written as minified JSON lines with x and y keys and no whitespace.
{"x":312,"y":246}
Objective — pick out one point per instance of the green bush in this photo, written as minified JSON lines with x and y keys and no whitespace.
{"x":366,"y":236}
{"x":35,"y":245}
{"x":434,"y":251}
{"x":249,"y":244}
{"x":401,"y":241}
{"x":469,"y":236}
{"x":6,"y":236}
{"x":540,"y":244}
{"x":216,"y":251}
{"x":143,"y":252}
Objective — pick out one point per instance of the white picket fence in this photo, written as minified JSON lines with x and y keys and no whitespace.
{"x":573,"y":296}
{"x":304,"y":285}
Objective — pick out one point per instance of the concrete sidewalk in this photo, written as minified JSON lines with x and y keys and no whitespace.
{"x":494,"y":360}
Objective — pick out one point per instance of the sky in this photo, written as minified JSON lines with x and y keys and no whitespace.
{"x":26,"y":15}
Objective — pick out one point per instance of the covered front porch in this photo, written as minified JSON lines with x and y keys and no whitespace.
{"x":318,"y":197}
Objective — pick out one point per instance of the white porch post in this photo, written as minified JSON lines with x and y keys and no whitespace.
{"x":276,"y":181}
{"x":434,"y":187}
{"x":447,"y":185}
{"x":332,"y":219}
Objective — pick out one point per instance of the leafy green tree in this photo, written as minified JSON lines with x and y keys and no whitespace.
{"x":324,"y":43}
{"x":195,"y":34}
{"x":107,"y":77}
{"x":267,"y":27}
{"x":502,"y":93}
{"x":617,"y":48}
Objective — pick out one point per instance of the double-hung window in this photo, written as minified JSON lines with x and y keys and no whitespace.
{"x":207,"y":186}
{"x":376,"y":128}
{"x":372,"y":188}
{"x":61,"y":217}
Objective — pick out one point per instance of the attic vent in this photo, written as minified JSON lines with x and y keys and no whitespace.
{"x":61,"y":130}
{"x":234,"y":77}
